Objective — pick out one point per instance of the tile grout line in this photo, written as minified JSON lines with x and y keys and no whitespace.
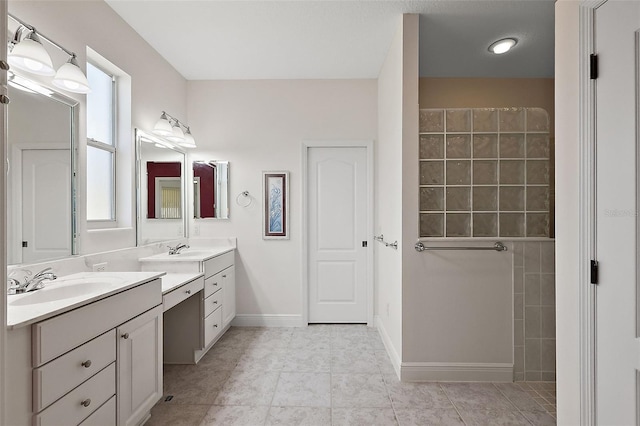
{"x":514,"y":405}
{"x":452,"y":403}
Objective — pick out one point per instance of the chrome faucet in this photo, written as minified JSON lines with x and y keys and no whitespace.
{"x":176,"y":249}
{"x":30,"y":284}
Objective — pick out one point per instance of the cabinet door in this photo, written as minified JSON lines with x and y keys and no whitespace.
{"x":228,"y":295}
{"x":139,"y":366}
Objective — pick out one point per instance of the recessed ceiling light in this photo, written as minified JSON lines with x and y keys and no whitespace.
{"x":502,"y":46}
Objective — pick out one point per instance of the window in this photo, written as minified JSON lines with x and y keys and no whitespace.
{"x":101,"y":145}
{"x":484,"y":172}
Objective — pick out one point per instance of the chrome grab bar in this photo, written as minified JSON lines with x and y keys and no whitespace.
{"x":380,"y":238}
{"x":498,"y":246}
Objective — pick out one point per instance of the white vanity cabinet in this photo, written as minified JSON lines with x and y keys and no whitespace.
{"x":192,"y":325}
{"x":97,"y":364}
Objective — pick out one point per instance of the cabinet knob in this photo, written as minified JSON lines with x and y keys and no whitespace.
{"x":86,"y":364}
{"x":215,"y":284}
{"x":188,"y":291}
{"x":215,"y":302}
{"x":86,"y":402}
{"x":125,"y":336}
{"x":215,"y":325}
{"x":4,"y":66}
{"x":224,"y":276}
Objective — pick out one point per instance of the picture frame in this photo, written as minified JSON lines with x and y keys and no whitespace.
{"x":275,"y":189}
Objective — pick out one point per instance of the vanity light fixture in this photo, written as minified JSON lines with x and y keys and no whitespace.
{"x":174,"y":130}
{"x":28,"y":54}
{"x":502,"y":46}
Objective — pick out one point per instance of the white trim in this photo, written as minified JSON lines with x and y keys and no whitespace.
{"x":368,"y":145}
{"x":267,"y":320}
{"x":587,"y":217}
{"x":391,"y":351}
{"x":3,"y":216}
{"x":456,"y":372}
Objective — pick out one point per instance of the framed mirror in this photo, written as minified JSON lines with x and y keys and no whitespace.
{"x":211,"y":189}
{"x":41,"y":187}
{"x":160,"y":189}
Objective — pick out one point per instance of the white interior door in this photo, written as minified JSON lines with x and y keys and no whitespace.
{"x":617,"y":92}
{"x":337,"y":227}
{"x":46,"y":204}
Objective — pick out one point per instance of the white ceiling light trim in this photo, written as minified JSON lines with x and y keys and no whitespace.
{"x":503,"y":46}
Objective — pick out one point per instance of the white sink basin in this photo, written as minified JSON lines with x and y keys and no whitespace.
{"x":64,"y":289}
{"x":194,"y":253}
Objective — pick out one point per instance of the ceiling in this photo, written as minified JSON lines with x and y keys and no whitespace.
{"x":231,"y":40}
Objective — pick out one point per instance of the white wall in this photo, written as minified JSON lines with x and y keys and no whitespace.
{"x":156,"y":86}
{"x":567,"y":70}
{"x":259,"y":126}
{"x":397,"y":124}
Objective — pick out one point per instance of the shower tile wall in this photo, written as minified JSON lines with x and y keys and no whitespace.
{"x":484,"y":172}
{"x":534,"y":311}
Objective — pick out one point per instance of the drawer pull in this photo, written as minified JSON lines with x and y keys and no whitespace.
{"x":125,"y":336}
{"x":215,"y":302}
{"x":188,"y":291}
{"x":215,"y":325}
{"x":224,"y":276}
{"x":86,"y":364}
{"x":86,"y":402}
{"x":215,"y":284}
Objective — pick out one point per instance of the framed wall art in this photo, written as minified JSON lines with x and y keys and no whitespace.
{"x":276,"y":205}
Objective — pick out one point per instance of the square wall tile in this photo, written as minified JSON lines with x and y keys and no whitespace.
{"x":532,"y":322}
{"x":485,"y":120}
{"x":431,"y":120}
{"x":512,"y":198}
{"x":518,"y":332}
{"x":458,"y":120}
{"x":537,"y":198}
{"x":532,"y":376}
{"x":548,"y":376}
{"x":532,"y":289}
{"x":518,"y":306}
{"x":485,"y":146}
{"x":518,"y":279}
{"x":485,"y":198}
{"x":512,"y":145}
{"x":458,"y":172}
{"x":548,"y":325}
{"x":531,"y":355}
{"x":532,"y":257}
{"x":548,"y":355}
{"x":537,"y":120}
{"x":512,"y":120}
{"x":485,"y":225}
{"x":431,"y":147}
{"x":512,"y":172}
{"x":538,"y":172}
{"x":432,"y":224}
{"x":458,"y":225}
{"x":485,"y":172}
{"x":547,"y":289}
{"x":548,"y":257}
{"x":459,"y":199}
{"x":537,"y":146}
{"x":431,"y":172}
{"x":432,"y":198}
{"x":458,"y":146}
{"x":518,"y":254}
{"x":518,"y":358}
{"x":511,"y":224}
{"x":537,"y":224}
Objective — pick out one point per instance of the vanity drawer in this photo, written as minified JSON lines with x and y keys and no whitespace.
{"x":218,"y":263}
{"x":212,"y":326}
{"x":212,"y":303}
{"x":81,"y":402}
{"x":212,"y":284}
{"x":53,"y":380}
{"x":55,"y":336}
{"x":176,"y":296}
{"x":103,"y":416}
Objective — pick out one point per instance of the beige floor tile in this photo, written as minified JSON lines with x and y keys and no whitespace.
{"x":428,"y":417}
{"x":416,"y":395}
{"x":359,"y":390}
{"x":363,"y":417}
{"x":248,"y":388}
{"x":493,"y":418}
{"x":303,"y":390}
{"x":538,"y":418}
{"x":235,"y":416}
{"x":353,"y":361}
{"x":299,"y":416}
{"x":308,"y":361}
{"x":477,"y":396}
{"x":168,"y":414}
{"x":190,"y":384}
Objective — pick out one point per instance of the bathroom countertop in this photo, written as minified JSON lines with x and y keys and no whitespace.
{"x":64,"y":294}
{"x":171,"y":281}
{"x":194,"y":254}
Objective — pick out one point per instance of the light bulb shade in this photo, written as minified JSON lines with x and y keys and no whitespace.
{"x":163,"y":126}
{"x":71,"y":78}
{"x":31,"y":56}
{"x":189,"y":141}
{"x":503,"y":46}
{"x":177,"y":134}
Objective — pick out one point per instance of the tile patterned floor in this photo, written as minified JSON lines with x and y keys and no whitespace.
{"x":331,"y":375}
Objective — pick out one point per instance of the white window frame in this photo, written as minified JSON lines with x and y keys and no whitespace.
{"x":108,"y":223}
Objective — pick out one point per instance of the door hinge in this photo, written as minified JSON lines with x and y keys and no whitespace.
{"x":594,"y":272}
{"x":593,"y":66}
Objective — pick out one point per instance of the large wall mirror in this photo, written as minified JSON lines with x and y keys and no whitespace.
{"x":41,"y":181}
{"x":161,"y":189}
{"x":211,"y":189}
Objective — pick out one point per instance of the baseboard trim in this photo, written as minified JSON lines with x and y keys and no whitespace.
{"x":249,"y":320}
{"x":456,"y":372}
{"x":386,"y":340}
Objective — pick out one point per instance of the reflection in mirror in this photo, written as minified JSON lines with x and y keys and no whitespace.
{"x":211,"y":189}
{"x":161,"y":195}
{"x":41,"y":184}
